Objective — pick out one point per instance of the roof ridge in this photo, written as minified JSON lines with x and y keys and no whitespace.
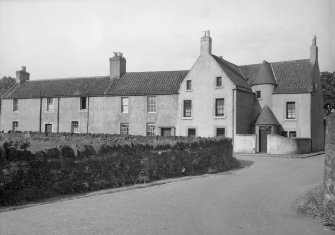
{"x":160,"y":71}
{"x":68,"y":78}
{"x":283,"y":61}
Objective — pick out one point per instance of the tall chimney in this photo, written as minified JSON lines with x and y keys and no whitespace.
{"x":206,"y":43}
{"x":314,"y":51}
{"x":22,"y":75}
{"x":117,"y":65}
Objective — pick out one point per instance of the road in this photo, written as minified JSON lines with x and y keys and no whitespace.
{"x":256,"y":200}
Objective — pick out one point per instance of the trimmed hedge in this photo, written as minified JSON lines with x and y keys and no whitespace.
{"x":27,"y":176}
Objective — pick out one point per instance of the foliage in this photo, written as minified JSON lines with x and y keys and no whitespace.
{"x":6,"y":83}
{"x":328,"y":86}
{"x":21,"y":142}
{"x":315,"y":206}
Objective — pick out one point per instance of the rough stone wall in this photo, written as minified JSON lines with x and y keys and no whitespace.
{"x":329,"y":175}
{"x":26,"y":176}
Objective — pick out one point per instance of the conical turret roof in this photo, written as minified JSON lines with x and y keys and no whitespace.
{"x":264,"y":75}
{"x":266,"y":117}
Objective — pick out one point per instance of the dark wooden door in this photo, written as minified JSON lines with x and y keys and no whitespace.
{"x":263,"y":143}
{"x":166,"y":131}
{"x":48,"y":128}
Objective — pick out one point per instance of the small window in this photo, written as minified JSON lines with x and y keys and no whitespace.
{"x":191,"y":132}
{"x":219,"y":81}
{"x":151,"y":129}
{"x":187,"y":108}
{"x":124,"y":104}
{"x":258,"y":94}
{"x":74,"y":127}
{"x":283,"y":133}
{"x":124,"y":128}
{"x":293,"y":134}
{"x":220,"y":132}
{"x":15,"y":105}
{"x":290,"y":110}
{"x":219,"y":107}
{"x":15,"y":126}
{"x":188,"y":85}
{"x":151,"y":104}
{"x":50,"y":104}
{"x":83,"y":103}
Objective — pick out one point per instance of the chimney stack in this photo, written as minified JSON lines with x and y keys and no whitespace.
{"x":314,"y":51}
{"x":117,"y":65}
{"x":22,"y":75}
{"x":206,"y":43}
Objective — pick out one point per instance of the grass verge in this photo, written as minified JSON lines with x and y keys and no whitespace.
{"x":314,"y":205}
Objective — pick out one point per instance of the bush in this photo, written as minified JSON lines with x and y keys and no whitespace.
{"x":314,"y":205}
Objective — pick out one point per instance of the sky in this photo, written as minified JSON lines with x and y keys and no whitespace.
{"x":58,"y":39}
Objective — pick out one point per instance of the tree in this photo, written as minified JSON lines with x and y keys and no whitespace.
{"x":328,"y":87}
{"x":5,"y":84}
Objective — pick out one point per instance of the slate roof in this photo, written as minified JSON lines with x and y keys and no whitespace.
{"x":264,"y":75}
{"x":59,"y":87}
{"x":146,"y":83}
{"x":292,"y":77}
{"x":136,"y":83}
{"x":233,"y":72}
{"x":266,"y":117}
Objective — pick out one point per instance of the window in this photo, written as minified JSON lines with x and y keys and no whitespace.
{"x":15,"y":105}
{"x":220,"y":131}
{"x":258,"y":94}
{"x":151,"y":104}
{"x":191,"y":132}
{"x":151,"y":129}
{"x":219,"y":81}
{"x":188,"y":85}
{"x":292,"y":134}
{"x":187,"y":108}
{"x":219,"y":107}
{"x":283,"y":133}
{"x":74,"y":127}
{"x":124,"y":128}
{"x":290,"y":110}
{"x":50,"y":104}
{"x":15,"y":126}
{"x":124,"y":104}
{"x":83,"y":103}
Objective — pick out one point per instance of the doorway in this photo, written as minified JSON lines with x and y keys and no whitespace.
{"x":264,"y":131}
{"x":166,"y":132}
{"x":48,"y":128}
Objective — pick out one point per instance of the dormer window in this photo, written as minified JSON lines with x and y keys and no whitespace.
{"x":218,"y":81}
{"x":258,"y":94}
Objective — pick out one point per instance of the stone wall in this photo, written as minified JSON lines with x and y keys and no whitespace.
{"x":329,"y":175}
{"x":27,"y":176}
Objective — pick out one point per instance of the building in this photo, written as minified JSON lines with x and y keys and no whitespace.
{"x":215,"y":97}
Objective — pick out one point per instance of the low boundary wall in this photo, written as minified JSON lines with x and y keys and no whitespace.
{"x":282,"y":145}
{"x":245,"y":143}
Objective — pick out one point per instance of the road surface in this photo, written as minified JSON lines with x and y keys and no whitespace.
{"x":257,"y":200}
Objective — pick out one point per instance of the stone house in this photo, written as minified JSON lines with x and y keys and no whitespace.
{"x":215,"y":97}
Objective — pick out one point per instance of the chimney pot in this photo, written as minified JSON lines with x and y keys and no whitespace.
{"x":206,"y":43}
{"x":117,"y":65}
{"x":22,"y":75}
